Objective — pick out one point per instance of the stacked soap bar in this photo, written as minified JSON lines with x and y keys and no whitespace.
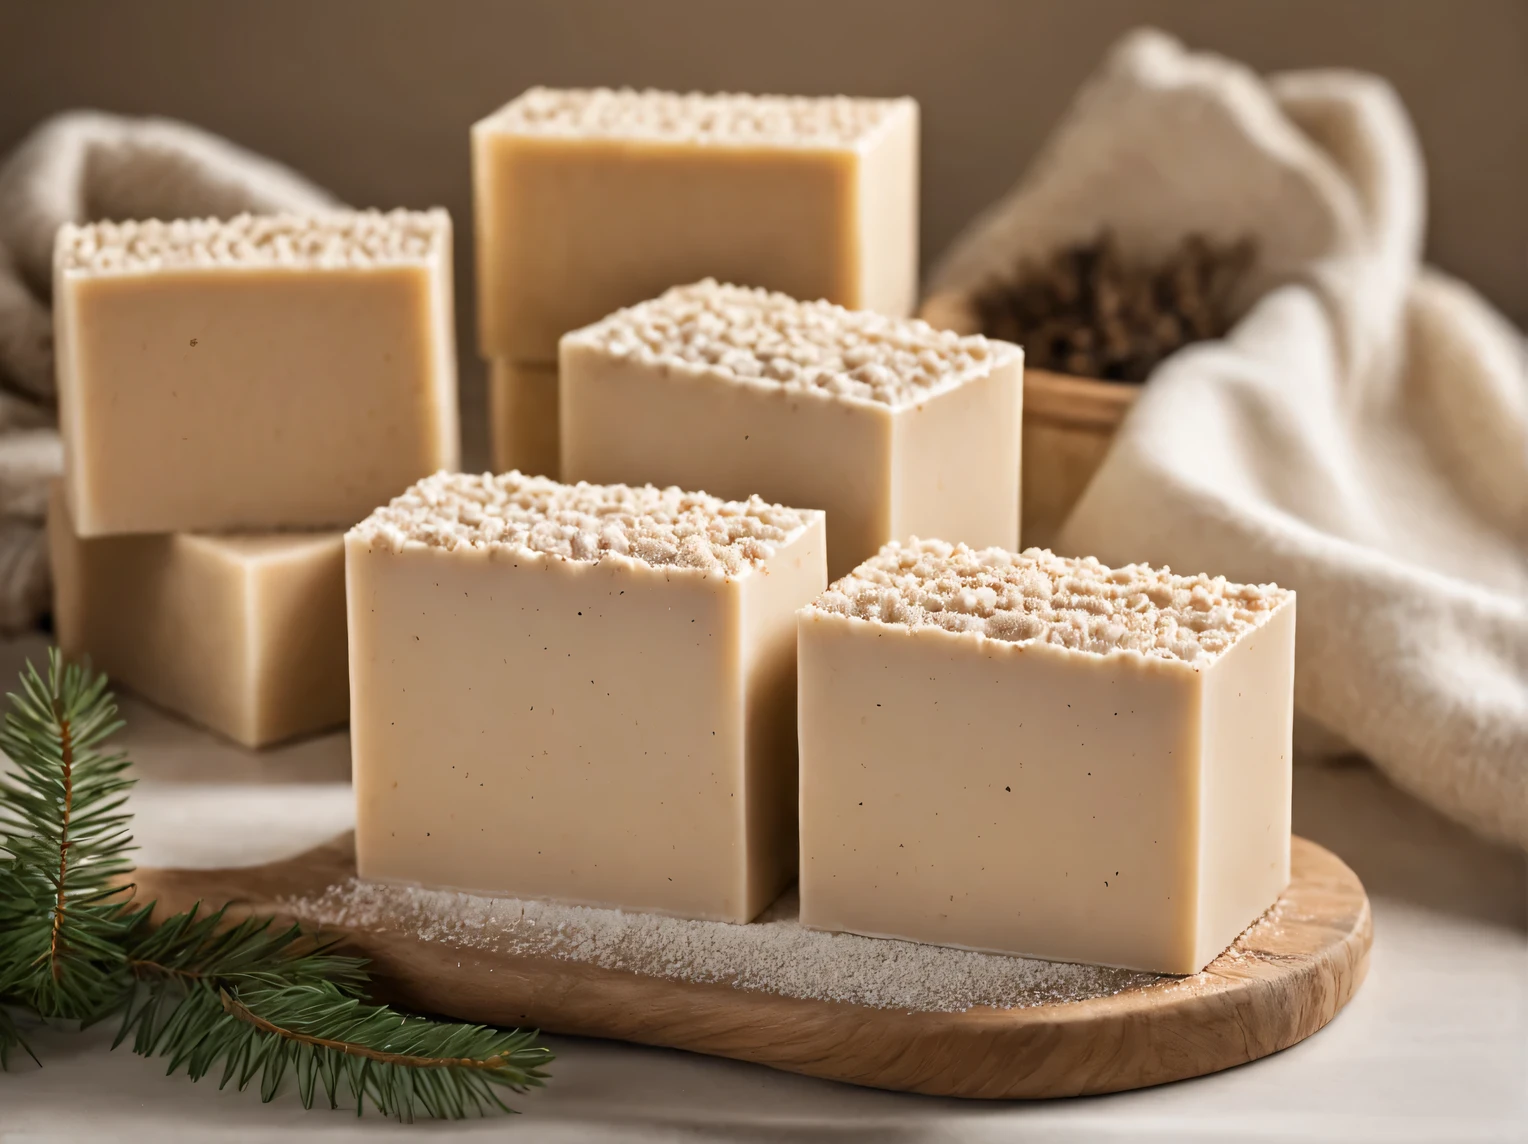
{"x":893,"y":427}
{"x":263,"y":372}
{"x":579,"y":692}
{"x":591,"y":200}
{"x":1037,"y":755}
{"x":242,"y":633}
{"x":522,"y":417}
{"x":220,"y":382}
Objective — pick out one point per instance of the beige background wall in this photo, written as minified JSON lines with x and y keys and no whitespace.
{"x":372,"y":98}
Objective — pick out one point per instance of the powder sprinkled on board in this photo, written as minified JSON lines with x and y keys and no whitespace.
{"x":773,"y":955}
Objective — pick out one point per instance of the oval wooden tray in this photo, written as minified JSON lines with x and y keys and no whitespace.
{"x":1277,"y":986}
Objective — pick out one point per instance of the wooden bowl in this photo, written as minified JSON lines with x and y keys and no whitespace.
{"x":1068,"y":424}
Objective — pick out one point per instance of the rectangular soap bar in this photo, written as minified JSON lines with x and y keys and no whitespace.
{"x":243,"y":634}
{"x":522,"y":417}
{"x":1044,"y":756}
{"x":273,"y":372}
{"x":587,"y":201}
{"x":894,"y":428}
{"x":580,"y":693}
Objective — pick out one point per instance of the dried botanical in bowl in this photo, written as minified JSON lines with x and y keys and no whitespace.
{"x":1088,"y":311}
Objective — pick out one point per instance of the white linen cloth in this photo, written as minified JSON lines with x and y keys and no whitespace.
{"x":1361,"y":435}
{"x":80,"y":167}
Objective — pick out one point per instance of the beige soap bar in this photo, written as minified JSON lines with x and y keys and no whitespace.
{"x":243,"y":634}
{"x":581,"y":693}
{"x":522,"y":417}
{"x":588,"y":201}
{"x":894,"y":428}
{"x":1043,"y":756}
{"x":258,"y":373}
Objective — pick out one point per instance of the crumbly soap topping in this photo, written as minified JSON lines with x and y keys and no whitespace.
{"x":333,"y":240}
{"x":763,"y":120}
{"x":659,"y":527}
{"x":1041,"y":597}
{"x":766,"y":338}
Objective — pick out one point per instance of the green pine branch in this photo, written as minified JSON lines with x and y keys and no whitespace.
{"x":198,"y":988}
{"x":321,"y":1034}
{"x":63,"y":844}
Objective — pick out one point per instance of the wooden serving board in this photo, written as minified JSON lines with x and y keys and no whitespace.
{"x":1277,"y":986}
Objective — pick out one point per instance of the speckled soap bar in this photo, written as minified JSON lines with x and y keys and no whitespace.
{"x":255,"y":372}
{"x":1031,"y":754}
{"x":590,"y":200}
{"x":242,"y":633}
{"x":580,"y":692}
{"x":890,"y":426}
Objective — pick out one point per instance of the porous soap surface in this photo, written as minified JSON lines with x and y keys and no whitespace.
{"x":253,"y":374}
{"x":1028,"y":754}
{"x":1075,"y":603}
{"x":244,"y":634}
{"x":583,"y":693}
{"x":695,"y":117}
{"x":587,"y":201}
{"x":345,"y":239}
{"x":890,"y":426}
{"x":770,"y":339}
{"x":659,"y":528}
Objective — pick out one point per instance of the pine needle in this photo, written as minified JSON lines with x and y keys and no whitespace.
{"x":265,"y":1001}
{"x":200,"y":989}
{"x":404,"y":1065}
{"x":63,"y":842}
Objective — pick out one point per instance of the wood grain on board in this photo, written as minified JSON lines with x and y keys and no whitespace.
{"x":1283,"y":983}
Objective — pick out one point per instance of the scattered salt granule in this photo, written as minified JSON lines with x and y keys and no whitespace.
{"x":662,"y":528}
{"x":773,"y":955}
{"x":338,"y":239}
{"x":693,"y":117}
{"x":1075,"y":603}
{"x":763,"y":338}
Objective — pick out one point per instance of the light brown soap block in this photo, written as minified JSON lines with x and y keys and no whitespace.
{"x":243,"y":634}
{"x":1044,"y":756}
{"x":522,"y":417}
{"x":272,"y":372}
{"x":579,"y":693}
{"x":894,"y":428}
{"x":587,"y":201}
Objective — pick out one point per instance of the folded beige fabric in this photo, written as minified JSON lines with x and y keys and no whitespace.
{"x":76,"y":168}
{"x":1362,"y":434}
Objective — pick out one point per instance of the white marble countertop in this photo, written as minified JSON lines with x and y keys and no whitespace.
{"x":1434,"y":1048}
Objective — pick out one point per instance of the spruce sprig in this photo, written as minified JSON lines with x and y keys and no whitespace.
{"x":295,"y":1005}
{"x":198,"y":988}
{"x":63,"y":844}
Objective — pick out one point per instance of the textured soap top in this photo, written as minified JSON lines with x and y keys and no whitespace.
{"x":663,"y":528}
{"x":1039,"y":596}
{"x":760,"y":337}
{"x":333,"y":240}
{"x":662,"y":116}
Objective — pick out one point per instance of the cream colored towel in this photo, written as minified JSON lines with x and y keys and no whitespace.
{"x":1362,"y":434}
{"x":77,"y":168}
